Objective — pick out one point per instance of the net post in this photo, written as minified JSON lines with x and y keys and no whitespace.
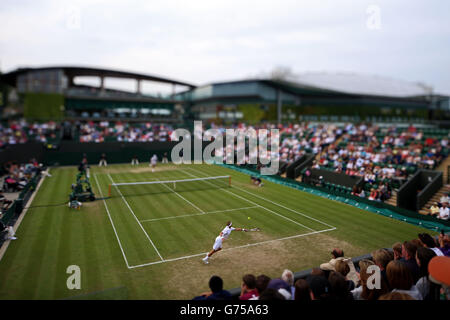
{"x":229,"y":181}
{"x":109,"y":190}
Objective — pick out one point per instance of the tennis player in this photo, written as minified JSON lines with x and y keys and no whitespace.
{"x":219,"y":240}
{"x":153,"y":162}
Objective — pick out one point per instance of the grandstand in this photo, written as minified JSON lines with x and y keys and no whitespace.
{"x":60,"y":92}
{"x":338,"y":97}
{"x":362,"y":159}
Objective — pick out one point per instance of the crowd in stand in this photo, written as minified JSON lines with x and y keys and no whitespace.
{"x":16,"y":176}
{"x":412,"y":270}
{"x":384,"y":157}
{"x":123,"y":131}
{"x":21,"y":131}
{"x":441,"y":209}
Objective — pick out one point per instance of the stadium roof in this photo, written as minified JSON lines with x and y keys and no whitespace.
{"x":360,"y":84}
{"x":74,"y":71}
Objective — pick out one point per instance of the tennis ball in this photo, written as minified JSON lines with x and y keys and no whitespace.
{"x":248,"y":218}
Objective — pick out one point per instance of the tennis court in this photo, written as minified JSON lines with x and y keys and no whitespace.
{"x":143,"y":241}
{"x":177,"y":213}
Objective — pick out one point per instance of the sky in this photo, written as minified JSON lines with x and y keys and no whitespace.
{"x":203,"y":41}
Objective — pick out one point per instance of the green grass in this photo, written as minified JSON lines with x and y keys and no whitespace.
{"x":52,"y":236}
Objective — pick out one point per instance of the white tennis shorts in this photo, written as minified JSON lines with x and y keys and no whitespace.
{"x":218,"y":243}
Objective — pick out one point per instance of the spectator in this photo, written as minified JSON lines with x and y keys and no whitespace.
{"x":444,"y":212}
{"x":381,"y":258}
{"x":248,"y":287}
{"x":397,"y":250}
{"x":288,"y":277}
{"x":302,"y":291}
{"x":343,"y":268}
{"x":339,"y":287}
{"x":363,"y":292}
{"x":428,"y":242}
{"x":282,"y":287}
{"x":438,"y":269}
{"x":423,"y":258}
{"x":444,"y":244}
{"x":5,"y":203}
{"x":409,"y":258}
{"x":217,"y":292}
{"x":336,"y":254}
{"x":401,"y":279}
{"x":9,"y":230}
{"x":434,"y":209}
{"x":262,"y":281}
{"x":320,"y":288}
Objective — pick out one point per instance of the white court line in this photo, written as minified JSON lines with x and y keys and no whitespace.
{"x":233,"y":248}
{"x":112,"y":223}
{"x":198,"y":214}
{"x":277,"y":204}
{"x":126,"y":202}
{"x":254,"y":203}
{"x":202,"y":212}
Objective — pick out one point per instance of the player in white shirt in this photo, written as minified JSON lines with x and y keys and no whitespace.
{"x":153,"y":162}
{"x":222,"y":236}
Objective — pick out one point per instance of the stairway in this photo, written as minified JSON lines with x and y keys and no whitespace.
{"x":393,"y":199}
{"x":435,"y":198}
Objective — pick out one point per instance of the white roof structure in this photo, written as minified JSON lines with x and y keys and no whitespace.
{"x":363,"y":84}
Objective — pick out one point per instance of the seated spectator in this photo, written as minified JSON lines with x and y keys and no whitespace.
{"x":338,"y":287}
{"x":362,"y":292}
{"x":423,"y":258}
{"x":444,"y":212}
{"x":417,"y":243}
{"x":217,"y":292}
{"x":301,"y":291}
{"x":248,"y":287}
{"x":288,"y":277}
{"x":409,"y":258}
{"x":5,"y":203}
{"x":262,"y":281}
{"x":336,"y":254}
{"x":343,"y":268}
{"x":444,"y":199}
{"x":429,"y":242}
{"x":381,"y":258}
{"x":282,"y":287}
{"x":9,"y":231}
{"x":319,"y":288}
{"x":401,"y":279}
{"x":397,"y":250}
{"x":444,"y":244}
{"x":434,"y":209}
{"x":438,"y":273}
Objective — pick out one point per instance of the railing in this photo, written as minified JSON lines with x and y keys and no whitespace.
{"x":12,"y":214}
